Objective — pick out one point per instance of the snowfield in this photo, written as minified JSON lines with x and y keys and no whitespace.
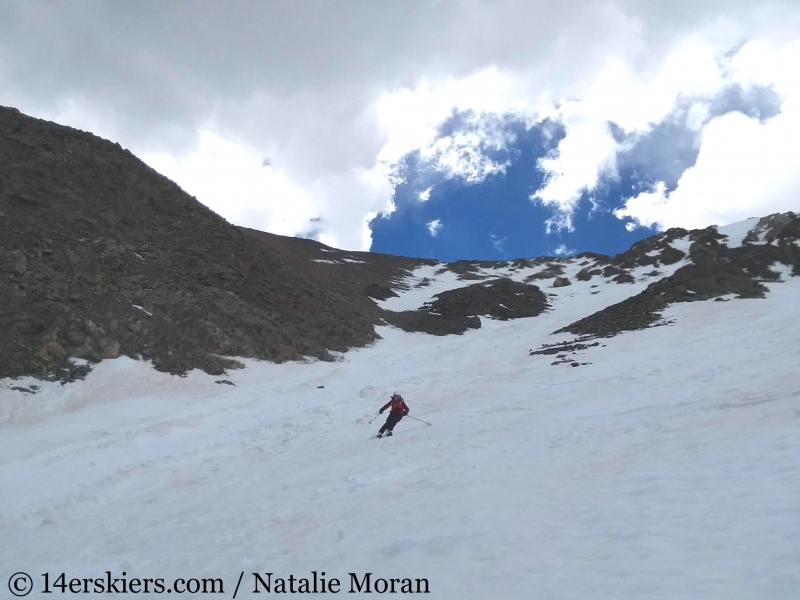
{"x":668,"y":467}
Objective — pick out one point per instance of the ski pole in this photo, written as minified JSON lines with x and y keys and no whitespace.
{"x":416,"y":419}
{"x":373,"y":418}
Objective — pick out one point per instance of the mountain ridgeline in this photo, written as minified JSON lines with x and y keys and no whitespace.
{"x":101,"y":256}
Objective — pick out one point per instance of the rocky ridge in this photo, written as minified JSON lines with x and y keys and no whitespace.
{"x":715,"y":270}
{"x":101,"y":256}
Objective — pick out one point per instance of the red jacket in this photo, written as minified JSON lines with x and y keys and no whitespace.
{"x":399,"y":409}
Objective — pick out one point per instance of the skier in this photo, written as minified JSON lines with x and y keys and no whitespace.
{"x":398,"y":411}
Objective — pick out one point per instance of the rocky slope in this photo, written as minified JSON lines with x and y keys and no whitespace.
{"x":102,"y":256}
{"x":715,"y":270}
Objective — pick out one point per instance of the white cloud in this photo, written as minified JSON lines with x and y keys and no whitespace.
{"x":410,"y":116}
{"x":411,"y":120}
{"x":562,"y":250}
{"x":434,"y":227}
{"x":498,"y":242}
{"x":745,"y":168}
{"x":461,"y":156}
{"x":697,"y":116}
{"x":633,"y":102}
{"x":425,"y":195}
{"x":587,"y":152}
{"x":233,"y":183}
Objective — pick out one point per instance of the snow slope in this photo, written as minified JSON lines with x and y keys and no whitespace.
{"x":666,"y":468}
{"x":736,"y":232}
{"x":429,"y":280}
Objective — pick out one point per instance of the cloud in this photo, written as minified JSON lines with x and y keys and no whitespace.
{"x":434,"y":227}
{"x":587,"y":152}
{"x":746,"y":166}
{"x":633,"y":103}
{"x":231,"y":180}
{"x":469,"y":145}
{"x":336,"y":93}
{"x":562,"y":250}
{"x":425,"y":194}
{"x":497,"y":242}
{"x":234,"y":184}
{"x":717,"y":111}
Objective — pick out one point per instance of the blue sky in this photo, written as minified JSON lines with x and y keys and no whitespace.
{"x":490,"y":215}
{"x":495,"y":219}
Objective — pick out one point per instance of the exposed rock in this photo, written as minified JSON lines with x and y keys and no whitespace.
{"x":55,"y":350}
{"x":380,"y":292}
{"x":111,"y":350}
{"x":586,"y":273}
{"x":670,"y":255}
{"x":422,"y":283}
{"x":551,"y":271}
{"x":101,"y":256}
{"x":715,"y":271}
{"x":458,"y":310}
{"x":468,"y":270}
{"x":768,"y":229}
{"x":561,"y":282}
{"x":572,"y":346}
{"x":623,"y":278}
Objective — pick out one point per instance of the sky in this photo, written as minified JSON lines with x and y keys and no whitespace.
{"x":469,"y":129}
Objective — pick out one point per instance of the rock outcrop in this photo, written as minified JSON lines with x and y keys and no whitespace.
{"x":456,"y":311}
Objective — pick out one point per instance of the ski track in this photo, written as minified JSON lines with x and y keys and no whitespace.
{"x":666,"y":468}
